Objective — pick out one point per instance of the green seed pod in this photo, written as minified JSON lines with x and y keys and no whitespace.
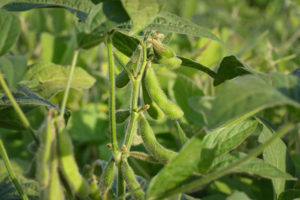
{"x":172,"y":63}
{"x":68,"y":165}
{"x":44,"y":152}
{"x":122,"y":115}
{"x":154,"y":111}
{"x":94,"y":192}
{"x":107,"y":177}
{"x":55,"y":189}
{"x":158,"y":95}
{"x":122,"y":79}
{"x":132,"y":184}
{"x":133,"y":65}
{"x":159,"y":152}
{"x":161,"y":50}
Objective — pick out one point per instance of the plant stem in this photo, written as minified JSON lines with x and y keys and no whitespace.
{"x":17,"y":108}
{"x":136,"y":84}
{"x":228,"y":169}
{"x":11,"y":171}
{"x":112,"y":96}
{"x":66,"y":94}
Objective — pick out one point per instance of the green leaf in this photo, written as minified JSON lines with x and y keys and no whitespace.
{"x":25,"y":97}
{"x":228,"y":138}
{"x":142,"y":12}
{"x":124,"y":43}
{"x":278,"y":156}
{"x":291,"y":194}
{"x":102,"y":18}
{"x":185,"y":87}
{"x":7,"y":188}
{"x":79,"y":7}
{"x":238,"y":196}
{"x":168,"y":22}
{"x":13,"y":68}
{"x":223,"y":140}
{"x":255,"y":166}
{"x":88,"y":124}
{"x":9,"y":31}
{"x":47,"y":79}
{"x":230,"y":67}
{"x":244,"y":96}
{"x":177,"y":170}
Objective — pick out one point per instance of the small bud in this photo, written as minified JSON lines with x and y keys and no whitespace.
{"x":109,"y":145}
{"x":159,"y":36}
{"x":124,"y":148}
{"x":146,"y":107}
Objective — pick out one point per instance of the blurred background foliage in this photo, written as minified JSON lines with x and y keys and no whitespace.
{"x":265,"y":34}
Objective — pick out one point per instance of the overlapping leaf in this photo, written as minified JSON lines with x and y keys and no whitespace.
{"x":47,"y":79}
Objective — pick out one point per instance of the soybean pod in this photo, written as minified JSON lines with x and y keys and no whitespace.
{"x":158,"y":95}
{"x":154,"y":111}
{"x":133,"y":185}
{"x":122,"y":115}
{"x":172,"y":63}
{"x":107,"y":177}
{"x":133,"y":65}
{"x":68,"y":165}
{"x":44,"y":152}
{"x":55,"y":190}
{"x":159,"y":152}
{"x":162,"y":50}
{"x":94,"y":192}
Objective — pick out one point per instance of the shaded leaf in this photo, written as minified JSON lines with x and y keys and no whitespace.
{"x":230,"y":67}
{"x":124,"y":43}
{"x":47,"y":79}
{"x":9,"y":31}
{"x":238,"y":196}
{"x":291,"y":194}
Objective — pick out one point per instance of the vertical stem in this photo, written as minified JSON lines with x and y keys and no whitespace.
{"x":11,"y":171}
{"x":17,"y":107}
{"x":66,"y":94}
{"x":112,"y":95}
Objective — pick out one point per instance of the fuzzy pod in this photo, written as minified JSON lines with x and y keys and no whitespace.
{"x":54,"y":191}
{"x":122,"y":115}
{"x":172,"y":63}
{"x":133,"y":65}
{"x":154,"y":110}
{"x":159,"y":152}
{"x":68,"y":165}
{"x":107,"y":177}
{"x":122,"y":79}
{"x":161,"y":50}
{"x":158,"y":95}
{"x":94,"y":192}
{"x":133,"y":185}
{"x":43,"y":157}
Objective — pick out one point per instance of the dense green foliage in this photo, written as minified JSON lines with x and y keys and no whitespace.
{"x":135,"y":99}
